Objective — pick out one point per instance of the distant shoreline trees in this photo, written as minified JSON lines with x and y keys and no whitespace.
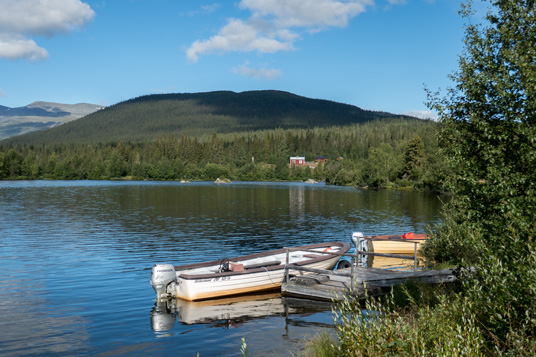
{"x":377,"y":154}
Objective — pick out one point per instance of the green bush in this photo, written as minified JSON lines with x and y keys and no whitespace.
{"x":384,"y":329}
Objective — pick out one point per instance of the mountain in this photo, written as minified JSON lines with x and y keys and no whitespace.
{"x":39,"y":116}
{"x":196,"y":114}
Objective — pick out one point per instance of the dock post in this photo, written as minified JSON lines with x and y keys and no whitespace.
{"x":352,"y":273}
{"x":415,"y":257}
{"x":286,"y":265}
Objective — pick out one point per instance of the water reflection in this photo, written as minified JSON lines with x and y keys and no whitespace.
{"x":228,"y":312}
{"x":296,"y":197}
{"x":76,"y":258}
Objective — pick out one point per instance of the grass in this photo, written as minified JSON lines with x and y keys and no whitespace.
{"x":321,"y":345}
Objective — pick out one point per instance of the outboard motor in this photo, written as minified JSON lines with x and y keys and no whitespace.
{"x":356,"y":239}
{"x":161,"y":276}
{"x":163,"y":317}
{"x":362,"y":244}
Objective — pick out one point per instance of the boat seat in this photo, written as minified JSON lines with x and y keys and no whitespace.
{"x":262,"y":265}
{"x":312,"y":255}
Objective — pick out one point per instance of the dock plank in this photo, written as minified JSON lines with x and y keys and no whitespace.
{"x":367,"y":282}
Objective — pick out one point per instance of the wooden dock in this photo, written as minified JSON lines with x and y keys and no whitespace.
{"x":355,"y":282}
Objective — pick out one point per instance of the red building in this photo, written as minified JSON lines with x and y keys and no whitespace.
{"x":297,"y":160}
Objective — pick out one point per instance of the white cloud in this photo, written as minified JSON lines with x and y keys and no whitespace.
{"x":307,"y":13}
{"x":21,"y":19}
{"x":246,"y":71}
{"x":2,"y":93}
{"x":422,"y":114}
{"x":14,"y":47}
{"x":274,"y":25}
{"x":239,"y":36}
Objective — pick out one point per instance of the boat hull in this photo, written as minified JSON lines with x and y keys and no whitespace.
{"x":397,"y":244}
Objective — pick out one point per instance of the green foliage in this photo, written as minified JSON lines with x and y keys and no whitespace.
{"x":213,"y":171}
{"x":489,"y":135}
{"x":243,"y":347}
{"x":341,"y":172}
{"x":321,"y":345}
{"x":384,"y":329}
{"x":382,"y":168}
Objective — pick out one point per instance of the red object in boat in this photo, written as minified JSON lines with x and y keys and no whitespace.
{"x":406,"y":236}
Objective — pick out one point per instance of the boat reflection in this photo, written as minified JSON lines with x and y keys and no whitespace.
{"x":394,"y":263}
{"x":228,"y":312}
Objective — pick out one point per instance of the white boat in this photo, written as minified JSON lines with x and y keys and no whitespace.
{"x":239,"y":275}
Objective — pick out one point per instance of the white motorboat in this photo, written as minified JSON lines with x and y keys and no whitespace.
{"x":239,"y":275}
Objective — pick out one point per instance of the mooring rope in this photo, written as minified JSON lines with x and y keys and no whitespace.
{"x":267,"y":272}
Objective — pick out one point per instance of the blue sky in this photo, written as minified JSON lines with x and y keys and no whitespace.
{"x":375,"y":54}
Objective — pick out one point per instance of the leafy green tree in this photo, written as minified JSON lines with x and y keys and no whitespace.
{"x":489,"y":132}
{"x":382,"y":166}
{"x":331,"y":168}
{"x":214,"y":171}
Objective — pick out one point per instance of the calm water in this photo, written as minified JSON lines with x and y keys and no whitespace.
{"x":75,"y":260}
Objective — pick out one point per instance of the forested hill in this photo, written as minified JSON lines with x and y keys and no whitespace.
{"x":196,"y":114}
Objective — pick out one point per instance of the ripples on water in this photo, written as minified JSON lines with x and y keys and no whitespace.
{"x":76,"y":256}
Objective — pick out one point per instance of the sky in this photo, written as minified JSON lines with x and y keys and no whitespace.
{"x":374,"y":54}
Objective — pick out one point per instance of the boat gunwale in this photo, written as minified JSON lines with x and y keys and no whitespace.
{"x":343,"y":245}
{"x":397,"y":237}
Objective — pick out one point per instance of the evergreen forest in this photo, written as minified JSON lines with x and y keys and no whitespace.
{"x":380,"y":154}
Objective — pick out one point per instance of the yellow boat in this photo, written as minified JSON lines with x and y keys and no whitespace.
{"x":396,"y":244}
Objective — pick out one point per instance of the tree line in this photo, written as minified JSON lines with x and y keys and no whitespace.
{"x":379,"y":154}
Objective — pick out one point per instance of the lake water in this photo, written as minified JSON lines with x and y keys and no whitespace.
{"x":75,"y":261}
